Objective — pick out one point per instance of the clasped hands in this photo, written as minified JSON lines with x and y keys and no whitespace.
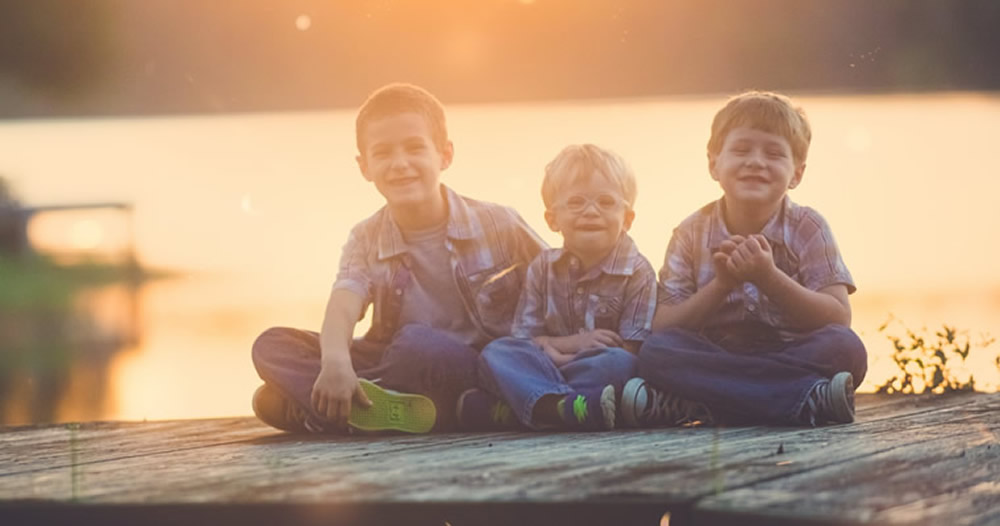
{"x":562,"y":349}
{"x":744,"y":258}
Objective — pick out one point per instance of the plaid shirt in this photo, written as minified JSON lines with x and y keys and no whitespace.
{"x":490,"y":248}
{"x":560,"y":299}
{"x":802,"y":245}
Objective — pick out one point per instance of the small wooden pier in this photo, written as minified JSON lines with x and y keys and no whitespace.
{"x":907,"y":460}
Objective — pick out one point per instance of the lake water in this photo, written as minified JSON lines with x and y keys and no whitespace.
{"x":255,"y":208}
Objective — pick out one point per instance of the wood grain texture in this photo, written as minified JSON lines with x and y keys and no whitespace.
{"x":906,"y":460}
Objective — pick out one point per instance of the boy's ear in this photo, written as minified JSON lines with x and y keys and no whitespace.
{"x":797,"y":178}
{"x":711,"y":165}
{"x":363,"y":166}
{"x":629,"y":217}
{"x":447,"y":155}
{"x":550,"y":218}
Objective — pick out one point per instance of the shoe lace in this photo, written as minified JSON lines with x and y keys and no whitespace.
{"x":294,"y":413}
{"x":672,"y":410}
{"x":817,"y":402}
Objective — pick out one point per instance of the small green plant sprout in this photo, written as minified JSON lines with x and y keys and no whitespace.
{"x":931,"y":363}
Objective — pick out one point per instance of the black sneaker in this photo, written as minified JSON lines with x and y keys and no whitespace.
{"x":831,"y":401}
{"x":589,"y":411}
{"x":478,"y":410}
{"x":276,"y":410}
{"x":644,"y":406}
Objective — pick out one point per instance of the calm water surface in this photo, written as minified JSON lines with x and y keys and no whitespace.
{"x":254,"y":209}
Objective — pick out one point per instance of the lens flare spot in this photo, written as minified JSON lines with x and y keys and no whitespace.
{"x":303,"y":22}
{"x":246,"y":204}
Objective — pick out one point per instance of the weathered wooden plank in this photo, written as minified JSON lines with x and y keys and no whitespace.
{"x":58,"y":446}
{"x":669,"y":465}
{"x":44,"y":447}
{"x":240,"y":462}
{"x":952,"y":478}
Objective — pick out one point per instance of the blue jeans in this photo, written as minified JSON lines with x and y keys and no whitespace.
{"x":419,"y":360}
{"x":520,"y":373}
{"x":750,"y":386}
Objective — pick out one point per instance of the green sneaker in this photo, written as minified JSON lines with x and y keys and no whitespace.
{"x":392,"y":411}
{"x":590,"y":410}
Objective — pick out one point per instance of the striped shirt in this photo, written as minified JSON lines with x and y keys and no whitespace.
{"x":490,"y":247}
{"x":561,"y":299}
{"x":802,"y":245}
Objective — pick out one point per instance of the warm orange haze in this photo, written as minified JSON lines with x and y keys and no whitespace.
{"x":254,"y":208}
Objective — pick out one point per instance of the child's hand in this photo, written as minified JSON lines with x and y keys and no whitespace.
{"x":752,"y":260}
{"x":597,"y":339}
{"x":720,"y":260}
{"x":558,"y":357}
{"x":333,"y":391}
{"x":562,"y":349}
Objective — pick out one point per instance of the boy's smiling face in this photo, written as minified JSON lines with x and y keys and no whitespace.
{"x":591,"y":213}
{"x":755,"y":168}
{"x":405,"y":165}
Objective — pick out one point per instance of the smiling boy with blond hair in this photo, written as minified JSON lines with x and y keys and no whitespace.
{"x":584,"y":311}
{"x":753,"y":319}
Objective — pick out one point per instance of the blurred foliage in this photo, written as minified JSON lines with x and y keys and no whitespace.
{"x":36,"y":283}
{"x":931,"y":362}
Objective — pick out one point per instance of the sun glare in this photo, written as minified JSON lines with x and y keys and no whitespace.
{"x":86,"y":234}
{"x":68,"y":233}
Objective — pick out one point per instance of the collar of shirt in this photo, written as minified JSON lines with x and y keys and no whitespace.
{"x":462,"y":224}
{"x":775,"y":230}
{"x":620,"y":261}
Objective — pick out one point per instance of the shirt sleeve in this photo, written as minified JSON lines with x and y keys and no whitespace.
{"x":526,"y":244}
{"x":677,"y":276}
{"x":529,"y":317}
{"x":639,"y":302}
{"x":820,"y":263}
{"x":355,"y":273}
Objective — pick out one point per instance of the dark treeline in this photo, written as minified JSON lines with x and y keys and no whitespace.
{"x":125,"y":57}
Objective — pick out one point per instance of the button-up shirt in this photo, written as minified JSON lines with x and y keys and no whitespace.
{"x":802,"y":245}
{"x":560,"y":298}
{"x":490,"y":248}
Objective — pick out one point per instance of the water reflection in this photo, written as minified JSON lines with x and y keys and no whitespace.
{"x":66,"y":308}
{"x":58,"y":338}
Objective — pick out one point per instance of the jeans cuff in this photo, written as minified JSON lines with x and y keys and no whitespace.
{"x":529,"y":406}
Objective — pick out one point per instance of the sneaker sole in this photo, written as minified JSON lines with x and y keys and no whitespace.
{"x":392,"y":411}
{"x":843,"y":406}
{"x":630,"y":394}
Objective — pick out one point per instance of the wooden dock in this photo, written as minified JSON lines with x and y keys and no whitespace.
{"x":907,"y":460}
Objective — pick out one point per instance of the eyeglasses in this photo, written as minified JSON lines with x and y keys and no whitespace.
{"x":605,"y":203}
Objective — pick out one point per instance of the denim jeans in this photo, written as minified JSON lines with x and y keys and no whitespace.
{"x":520,"y":373}
{"x":418,"y":359}
{"x":750,"y":386}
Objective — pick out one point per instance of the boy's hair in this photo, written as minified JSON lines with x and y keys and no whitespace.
{"x":578,"y":161}
{"x":765,"y":111}
{"x":393,"y":99}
